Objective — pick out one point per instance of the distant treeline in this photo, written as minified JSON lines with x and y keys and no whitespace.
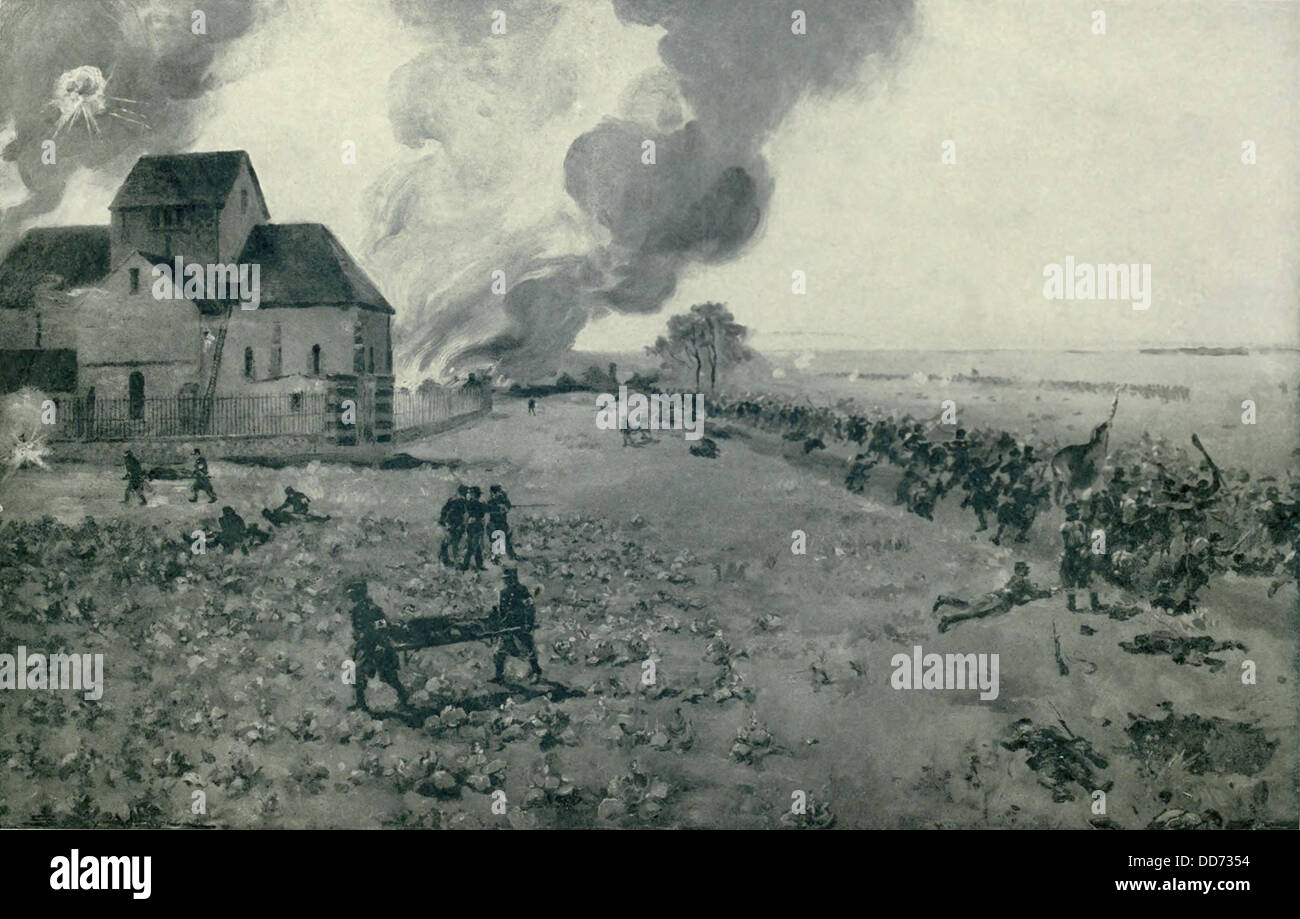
{"x":1163,"y":392}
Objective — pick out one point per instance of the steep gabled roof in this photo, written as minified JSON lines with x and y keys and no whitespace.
{"x":304,"y":264}
{"x":57,"y":258}
{"x":183,"y":178}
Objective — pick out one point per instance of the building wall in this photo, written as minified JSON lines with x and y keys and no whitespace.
{"x":50,"y":323}
{"x":236,"y":221}
{"x":120,"y":332}
{"x":331,"y":327}
{"x":132,"y":229}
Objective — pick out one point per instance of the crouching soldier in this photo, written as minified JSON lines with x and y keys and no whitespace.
{"x":372,"y":648}
{"x":516,"y":619}
{"x":296,"y":506}
{"x":236,"y":534}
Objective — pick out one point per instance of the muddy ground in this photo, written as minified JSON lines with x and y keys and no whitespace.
{"x":771,"y":669}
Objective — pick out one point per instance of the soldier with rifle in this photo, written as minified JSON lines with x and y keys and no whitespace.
{"x":1018,"y":591}
{"x":372,"y":649}
{"x":498,"y":506}
{"x":513,"y":626}
{"x":452,"y":520}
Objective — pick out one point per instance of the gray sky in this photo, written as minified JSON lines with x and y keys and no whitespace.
{"x":1123,"y":147}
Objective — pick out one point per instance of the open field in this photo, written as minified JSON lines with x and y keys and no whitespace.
{"x":222,"y":674}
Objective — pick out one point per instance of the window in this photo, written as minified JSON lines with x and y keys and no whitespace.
{"x":155,"y":217}
{"x":134,"y":274}
{"x":295,"y":402}
{"x":248,"y":363}
{"x":315,"y":359}
{"x":358,"y":348}
{"x":243,"y":201}
{"x":276,"y":353}
{"x":371,"y":360}
{"x":38,"y":330}
{"x":135,"y":393}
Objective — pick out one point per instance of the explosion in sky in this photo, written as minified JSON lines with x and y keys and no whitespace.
{"x":53,"y":61}
{"x":82,"y":92}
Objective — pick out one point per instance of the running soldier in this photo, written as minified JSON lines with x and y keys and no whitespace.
{"x":201,"y":481}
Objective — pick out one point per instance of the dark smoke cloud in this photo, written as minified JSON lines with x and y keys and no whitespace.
{"x":740,"y":70}
{"x":150,"y":56}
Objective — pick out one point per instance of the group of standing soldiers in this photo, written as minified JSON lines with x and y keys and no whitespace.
{"x":466,"y":516}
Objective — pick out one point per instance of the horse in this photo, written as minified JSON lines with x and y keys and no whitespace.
{"x":1076,"y":467}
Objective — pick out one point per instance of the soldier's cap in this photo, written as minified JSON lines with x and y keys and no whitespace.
{"x":196,"y":449}
{"x":1071,"y":507}
{"x":511,"y":574}
{"x":1022,"y":567}
{"x":495,"y":488}
{"x":357,"y":586}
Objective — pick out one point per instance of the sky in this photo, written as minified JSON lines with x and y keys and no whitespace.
{"x":1119,"y":147}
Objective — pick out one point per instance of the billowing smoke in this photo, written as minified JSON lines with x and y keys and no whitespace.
{"x":736,"y":68}
{"x":106,"y":80}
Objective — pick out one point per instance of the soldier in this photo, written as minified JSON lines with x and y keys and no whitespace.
{"x":532,"y":406}
{"x":372,"y":650}
{"x":1018,"y":591}
{"x":498,"y":506}
{"x":298,"y":504}
{"x":201,"y":480}
{"x":235,"y":534}
{"x":981,"y":495}
{"x":516,"y":613}
{"x":859,"y":473}
{"x":1193,"y":572}
{"x":452,"y":519}
{"x":1076,"y":562}
{"x":134,"y":479}
{"x":473,"y":523}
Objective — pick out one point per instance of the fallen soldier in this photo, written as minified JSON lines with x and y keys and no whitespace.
{"x":296,"y":506}
{"x":1018,"y":591}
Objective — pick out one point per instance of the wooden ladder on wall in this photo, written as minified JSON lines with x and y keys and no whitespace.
{"x":210,"y":390}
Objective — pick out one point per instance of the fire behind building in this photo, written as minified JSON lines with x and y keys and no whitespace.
{"x":80,"y":319}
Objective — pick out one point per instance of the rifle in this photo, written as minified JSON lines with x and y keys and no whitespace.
{"x":513,"y":506}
